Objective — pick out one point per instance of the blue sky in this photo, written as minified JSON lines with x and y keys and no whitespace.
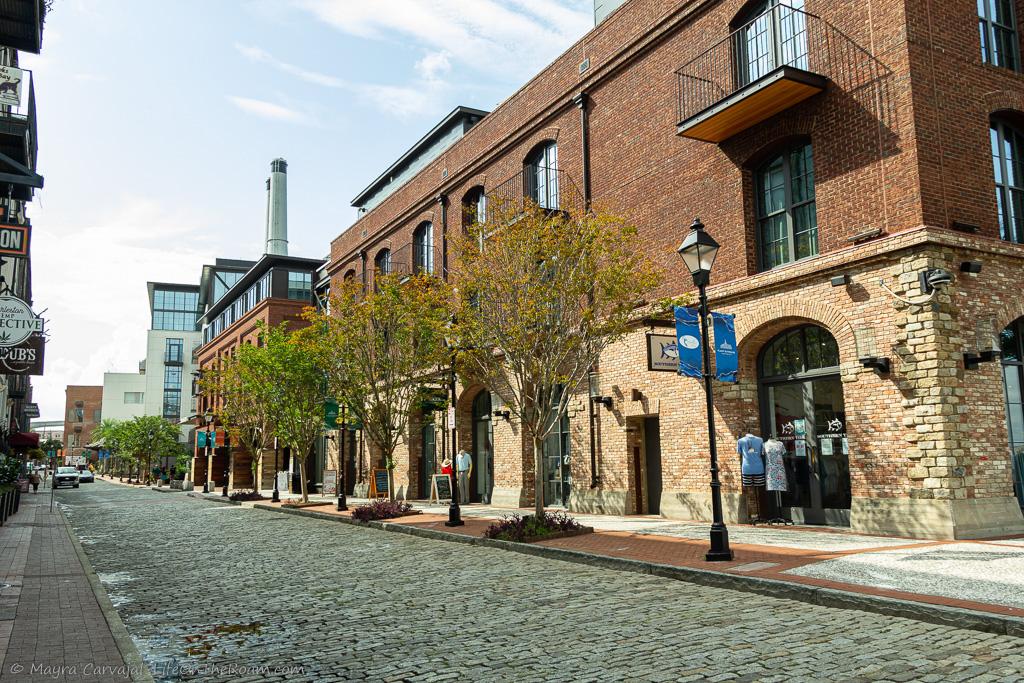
{"x":158,"y":121}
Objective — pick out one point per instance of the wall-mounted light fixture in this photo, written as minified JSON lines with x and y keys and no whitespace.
{"x":840,"y":280}
{"x":504,"y":414}
{"x":933,"y":278}
{"x":973,"y":360}
{"x":879,"y":363}
{"x":594,"y":385}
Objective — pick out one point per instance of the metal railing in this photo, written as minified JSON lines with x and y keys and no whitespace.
{"x":549,"y":188}
{"x":780,"y":37}
{"x":18,"y":107}
{"x":413,"y":258}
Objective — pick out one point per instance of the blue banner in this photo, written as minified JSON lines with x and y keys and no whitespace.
{"x":688,"y":335}
{"x":201,"y":439}
{"x":726,"y":358}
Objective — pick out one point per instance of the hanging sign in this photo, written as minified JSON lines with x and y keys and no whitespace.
{"x":688,"y":347}
{"x":25,"y":358}
{"x":17,"y":321}
{"x":662,"y":354}
{"x":726,"y":359}
{"x":13,"y":240}
{"x":11,"y":80}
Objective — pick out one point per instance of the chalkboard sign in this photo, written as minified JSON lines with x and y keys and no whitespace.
{"x":330,"y":482}
{"x":440,"y":488}
{"x":380,"y":483}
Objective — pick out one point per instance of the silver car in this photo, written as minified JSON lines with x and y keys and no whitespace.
{"x":85,"y":476}
{"x":65,"y":476}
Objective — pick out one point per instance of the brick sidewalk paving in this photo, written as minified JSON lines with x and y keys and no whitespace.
{"x":52,"y":626}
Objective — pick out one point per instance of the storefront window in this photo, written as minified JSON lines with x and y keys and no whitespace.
{"x":1012,"y":347}
{"x":802,"y":406}
{"x":557,"y":481}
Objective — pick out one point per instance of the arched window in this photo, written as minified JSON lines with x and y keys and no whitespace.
{"x":382,"y":265}
{"x":474,"y":207}
{"x":423,"y":248}
{"x":541,"y":175}
{"x":771,"y":34}
{"x":787,"y":219}
{"x":997,"y":27}
{"x":1008,"y":167}
{"x":350,"y":275}
{"x":802,"y":405}
{"x":1011,"y":346}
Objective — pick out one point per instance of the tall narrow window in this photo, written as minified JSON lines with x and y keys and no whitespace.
{"x":423,"y":248}
{"x":382,"y":265}
{"x":997,"y":27}
{"x":541,"y":175}
{"x":787,"y":219}
{"x":772,"y":34}
{"x":1008,"y":167}
{"x":474,"y":207}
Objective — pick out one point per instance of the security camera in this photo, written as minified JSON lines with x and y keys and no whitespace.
{"x":933,"y":279}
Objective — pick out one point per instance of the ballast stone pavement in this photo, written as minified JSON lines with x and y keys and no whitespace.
{"x":231,"y":586}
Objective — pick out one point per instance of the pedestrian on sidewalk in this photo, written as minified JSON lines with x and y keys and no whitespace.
{"x":464,"y":466}
{"x":33,"y":479}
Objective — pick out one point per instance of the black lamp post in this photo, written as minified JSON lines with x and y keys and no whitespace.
{"x":276,"y":498}
{"x":454,"y":511}
{"x":342,"y":433}
{"x":698,"y":252}
{"x":208,"y":416}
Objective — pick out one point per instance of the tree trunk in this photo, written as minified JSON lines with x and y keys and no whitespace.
{"x":302,"y":477}
{"x":538,"y":477}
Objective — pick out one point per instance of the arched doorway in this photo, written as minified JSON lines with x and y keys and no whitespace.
{"x":1011,"y":343}
{"x":802,"y":406}
{"x":481,"y":481}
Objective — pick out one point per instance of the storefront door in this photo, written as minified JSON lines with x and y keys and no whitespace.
{"x":802,"y":406}
{"x":481,"y":481}
{"x":557,"y":482}
{"x":1012,"y":347}
{"x":427,"y":458}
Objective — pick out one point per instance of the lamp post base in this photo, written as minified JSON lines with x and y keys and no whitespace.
{"x":454,"y":516}
{"x":342,"y":503}
{"x":720,"y":550}
{"x":276,"y":498}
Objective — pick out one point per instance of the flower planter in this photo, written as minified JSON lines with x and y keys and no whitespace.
{"x":553,"y":536}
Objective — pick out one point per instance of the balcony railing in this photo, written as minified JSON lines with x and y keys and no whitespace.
{"x":18,"y":129}
{"x":174,"y":357}
{"x":778,"y":59}
{"x":549,"y":188}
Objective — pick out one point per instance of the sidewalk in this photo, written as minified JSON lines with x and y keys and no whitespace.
{"x":984,"y":577}
{"x":56,"y":622}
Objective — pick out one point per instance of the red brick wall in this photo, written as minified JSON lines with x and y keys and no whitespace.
{"x":92,"y":400}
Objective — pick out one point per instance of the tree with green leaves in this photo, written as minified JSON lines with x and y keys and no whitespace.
{"x":114,"y":434}
{"x":378,"y":350}
{"x":246,"y":385}
{"x":541,"y":294}
{"x":297,"y":399}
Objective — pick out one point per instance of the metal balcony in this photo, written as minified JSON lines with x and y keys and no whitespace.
{"x":773,"y":62}
{"x":550,"y":189}
{"x":174,"y":358}
{"x":18,"y":145}
{"x":21,"y":24}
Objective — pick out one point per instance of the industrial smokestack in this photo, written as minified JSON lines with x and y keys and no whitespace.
{"x":277,"y":209}
{"x":266,"y":221}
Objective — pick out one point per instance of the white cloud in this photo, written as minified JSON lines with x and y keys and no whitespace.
{"x":486,"y":35}
{"x":268,"y":110}
{"x":91,"y":283}
{"x":259,"y":55}
{"x":434,"y":66}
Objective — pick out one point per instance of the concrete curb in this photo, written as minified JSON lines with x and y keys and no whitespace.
{"x":219,"y":499}
{"x":137,"y":668}
{"x":825,"y":597}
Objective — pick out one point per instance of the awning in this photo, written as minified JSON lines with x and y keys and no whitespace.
{"x":24,"y":440}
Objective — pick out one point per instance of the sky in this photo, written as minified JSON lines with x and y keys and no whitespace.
{"x":157,"y":122}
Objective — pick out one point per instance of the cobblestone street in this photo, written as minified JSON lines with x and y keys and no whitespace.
{"x":215,"y":592}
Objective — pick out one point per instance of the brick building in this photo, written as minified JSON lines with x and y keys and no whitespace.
{"x":840,"y":155}
{"x":82,"y":414}
{"x":235,"y":298}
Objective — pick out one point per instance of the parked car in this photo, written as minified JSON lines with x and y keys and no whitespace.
{"x":66,"y":476}
{"x":86,"y":476}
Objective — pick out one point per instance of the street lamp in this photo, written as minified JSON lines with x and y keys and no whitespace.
{"x":698,"y":252}
{"x":342,"y":433}
{"x":276,"y":498}
{"x":208,"y":416}
{"x":454,"y":511}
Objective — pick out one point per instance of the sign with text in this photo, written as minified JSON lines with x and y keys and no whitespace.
{"x":25,"y":358}
{"x":13,"y":240}
{"x":662,"y":353}
{"x":379,"y":484}
{"x":31,"y":410}
{"x":726,"y":359}
{"x":17,"y":321}
{"x":11,"y":79}
{"x":440,"y":488}
{"x":330,"y":483}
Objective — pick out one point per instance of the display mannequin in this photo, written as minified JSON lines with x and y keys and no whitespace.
{"x":775,"y":476}
{"x":751,"y":450}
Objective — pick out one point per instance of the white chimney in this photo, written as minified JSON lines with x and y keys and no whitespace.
{"x":277,"y":208}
